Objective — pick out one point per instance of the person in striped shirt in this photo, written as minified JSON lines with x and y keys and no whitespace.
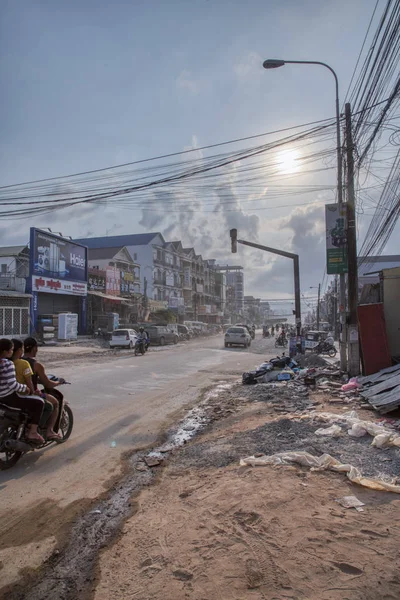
{"x":10,"y":388}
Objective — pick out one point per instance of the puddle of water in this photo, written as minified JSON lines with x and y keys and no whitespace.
{"x":196,"y":419}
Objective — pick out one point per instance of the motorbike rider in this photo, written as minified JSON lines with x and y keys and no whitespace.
{"x":24,"y":375}
{"x":39,"y":373}
{"x":16,"y":395}
{"x":329,"y":340}
{"x":143,"y":335}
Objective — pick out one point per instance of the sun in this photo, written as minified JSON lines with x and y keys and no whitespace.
{"x":288,"y":161}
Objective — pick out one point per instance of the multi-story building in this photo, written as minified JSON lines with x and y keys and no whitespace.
{"x":252,"y":309}
{"x":234,"y":289}
{"x":14,"y":302}
{"x":113,"y":285}
{"x":170,"y":275}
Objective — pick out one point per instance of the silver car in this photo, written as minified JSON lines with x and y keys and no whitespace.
{"x":237,"y":336}
{"x":123,"y":338}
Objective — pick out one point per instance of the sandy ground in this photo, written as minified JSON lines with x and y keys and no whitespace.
{"x":211,"y":529}
{"x":120,"y":406}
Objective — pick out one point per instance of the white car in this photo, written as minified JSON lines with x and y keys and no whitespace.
{"x":237,"y":336}
{"x":123,"y":338}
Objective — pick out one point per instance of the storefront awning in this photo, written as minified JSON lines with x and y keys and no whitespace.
{"x":108,"y":297}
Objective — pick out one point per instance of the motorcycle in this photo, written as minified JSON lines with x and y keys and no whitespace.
{"x":141,"y":346}
{"x":281,"y":342}
{"x":13,"y":426}
{"x":266,"y":333}
{"x":324,"y":348}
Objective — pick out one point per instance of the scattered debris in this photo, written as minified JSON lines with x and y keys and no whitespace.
{"x":310,"y":360}
{"x":321,"y":463}
{"x":152,"y":461}
{"x":382,"y":390}
{"x":332,"y":431}
{"x":351,"y":502}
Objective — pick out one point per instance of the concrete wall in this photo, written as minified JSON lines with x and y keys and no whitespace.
{"x":391,"y":307}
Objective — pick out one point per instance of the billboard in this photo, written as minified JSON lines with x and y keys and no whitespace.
{"x":113,"y":281}
{"x":56,"y":257}
{"x":336,"y":239}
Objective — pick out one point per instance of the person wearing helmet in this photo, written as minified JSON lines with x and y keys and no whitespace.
{"x":145,"y":335}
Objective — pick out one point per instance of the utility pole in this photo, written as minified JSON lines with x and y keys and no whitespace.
{"x":318,"y":305}
{"x":296,"y":271}
{"x":353,"y":343}
{"x":335,"y":310}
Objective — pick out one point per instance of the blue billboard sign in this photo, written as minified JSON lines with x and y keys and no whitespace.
{"x":56,"y":257}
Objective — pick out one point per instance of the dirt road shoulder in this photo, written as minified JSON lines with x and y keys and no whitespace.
{"x":212,"y":529}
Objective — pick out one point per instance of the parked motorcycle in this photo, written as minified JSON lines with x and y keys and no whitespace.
{"x":13,"y":425}
{"x":325,"y":348}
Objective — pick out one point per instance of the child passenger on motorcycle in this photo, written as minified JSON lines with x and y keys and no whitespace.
{"x":15,"y":395}
{"x":24,"y":375}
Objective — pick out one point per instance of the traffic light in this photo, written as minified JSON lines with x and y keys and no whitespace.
{"x":233,"y":234}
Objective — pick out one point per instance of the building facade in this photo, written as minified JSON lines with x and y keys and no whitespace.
{"x":14,"y":301}
{"x":174,"y":277}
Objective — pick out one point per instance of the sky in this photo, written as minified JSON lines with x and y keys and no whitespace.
{"x":88,"y":84}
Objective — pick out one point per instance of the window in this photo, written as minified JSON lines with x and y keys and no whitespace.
{"x":135,"y":256}
{"x":3,"y":269}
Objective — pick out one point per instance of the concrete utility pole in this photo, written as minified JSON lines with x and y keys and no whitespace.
{"x":353,"y":342}
{"x":275,"y":63}
{"x":296,"y":271}
{"x":318,"y":305}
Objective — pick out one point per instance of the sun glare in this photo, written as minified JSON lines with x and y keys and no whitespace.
{"x":288,"y":161}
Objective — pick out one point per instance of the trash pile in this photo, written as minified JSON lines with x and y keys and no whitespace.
{"x":380,"y":391}
{"x":281,"y":368}
{"x":384,"y":436}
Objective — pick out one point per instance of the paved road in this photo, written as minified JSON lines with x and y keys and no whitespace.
{"x":120,"y":404}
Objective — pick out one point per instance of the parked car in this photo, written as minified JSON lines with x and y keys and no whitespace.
{"x":237,"y":336}
{"x":161,"y":335}
{"x":123,"y":338}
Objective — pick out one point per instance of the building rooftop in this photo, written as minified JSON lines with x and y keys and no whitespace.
{"x":104,"y":253}
{"x":12,"y":250}
{"x":373,"y":264}
{"x":113,"y":241}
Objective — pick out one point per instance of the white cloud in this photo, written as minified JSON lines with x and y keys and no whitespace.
{"x":186,"y":82}
{"x":249,"y":67}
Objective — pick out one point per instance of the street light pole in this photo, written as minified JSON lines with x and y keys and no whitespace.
{"x":273,"y":63}
{"x":313,"y":287}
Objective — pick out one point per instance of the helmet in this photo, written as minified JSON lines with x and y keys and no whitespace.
{"x":141,"y":329}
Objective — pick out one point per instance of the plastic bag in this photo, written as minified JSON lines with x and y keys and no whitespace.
{"x":332,"y":431}
{"x":381,"y":440}
{"x":357,"y":430}
{"x":351,"y":385}
{"x":321,"y":463}
{"x":356,"y":425}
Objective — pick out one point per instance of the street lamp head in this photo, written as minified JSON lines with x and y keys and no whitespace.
{"x":273,"y":63}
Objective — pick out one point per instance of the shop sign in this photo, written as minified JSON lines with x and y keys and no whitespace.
{"x":97,"y":281}
{"x":58,"y":286}
{"x":113,"y":281}
{"x":336,"y":239}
